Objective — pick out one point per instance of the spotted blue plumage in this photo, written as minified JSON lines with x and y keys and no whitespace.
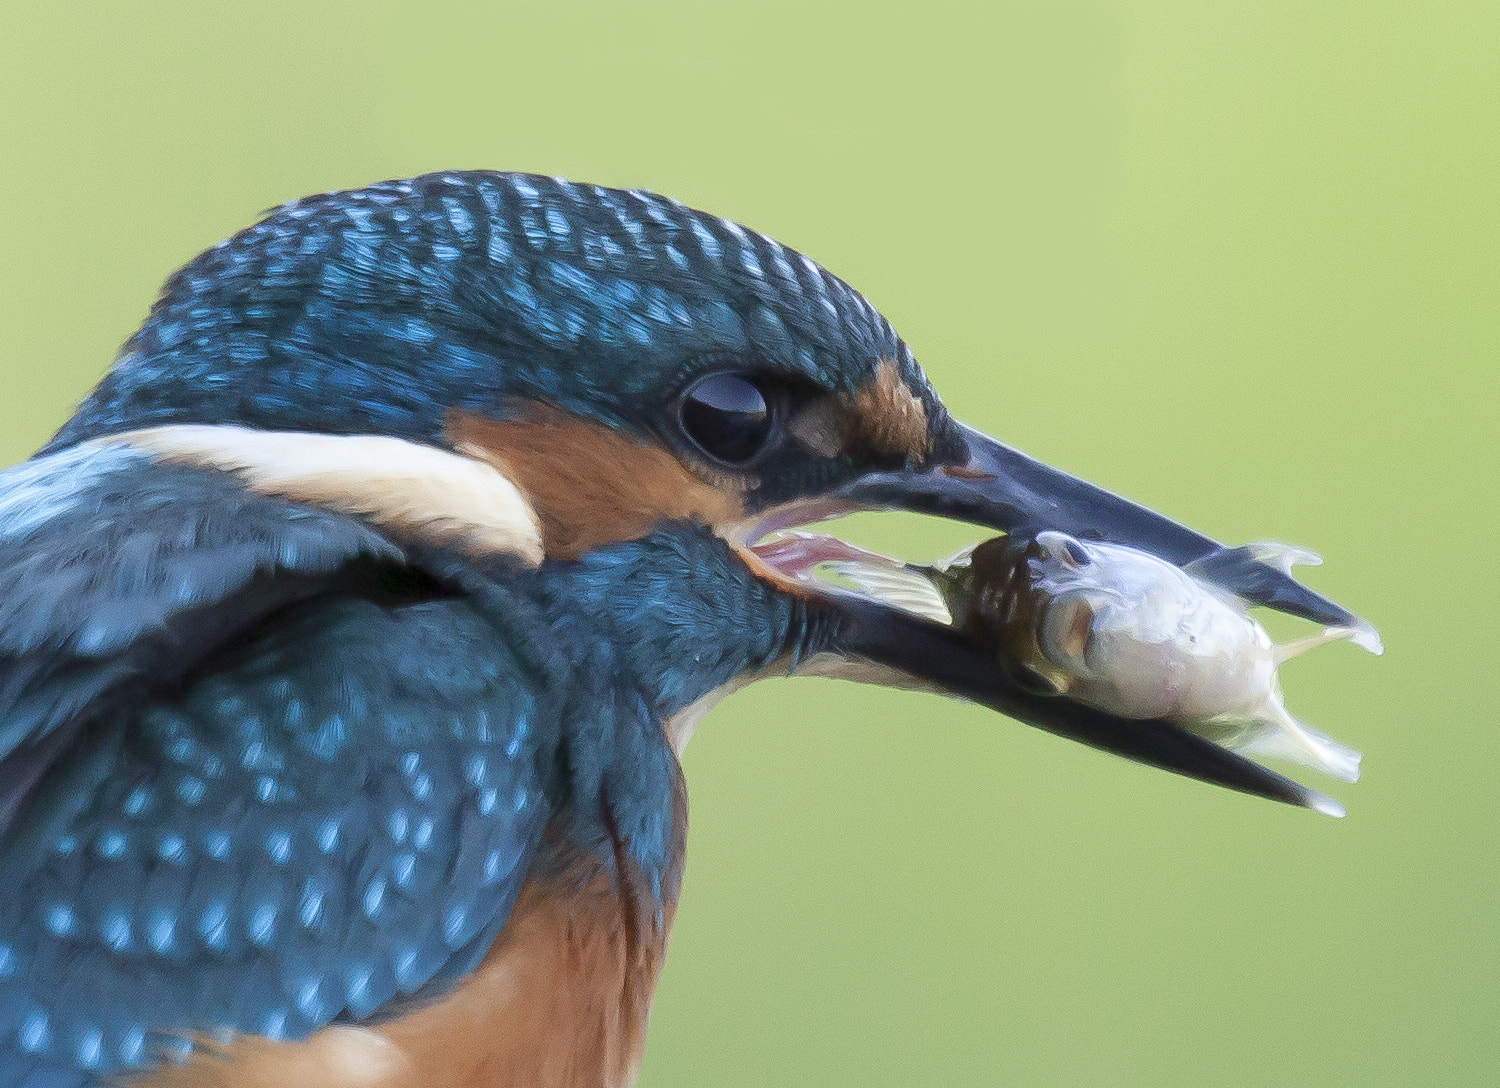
{"x":383,"y":309}
{"x":114,"y":571}
{"x":306,"y":767}
{"x":315,"y":829}
{"x":322,"y":819}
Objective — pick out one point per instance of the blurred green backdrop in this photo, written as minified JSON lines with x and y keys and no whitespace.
{"x":1238,"y":264}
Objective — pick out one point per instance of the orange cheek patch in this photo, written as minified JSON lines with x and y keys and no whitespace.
{"x":590,"y":484}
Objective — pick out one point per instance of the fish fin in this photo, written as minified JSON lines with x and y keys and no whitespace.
{"x":898,"y":585}
{"x":1281,"y":557}
{"x":960,"y":558}
{"x":1285,"y":651}
{"x":1363,"y":636}
{"x":1296,"y":742}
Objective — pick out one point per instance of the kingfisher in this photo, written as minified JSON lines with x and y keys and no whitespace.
{"x":352,"y":629}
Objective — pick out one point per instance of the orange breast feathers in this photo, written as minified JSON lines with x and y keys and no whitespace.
{"x":562,"y":999}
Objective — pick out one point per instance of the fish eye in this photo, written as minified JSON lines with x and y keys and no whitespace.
{"x":727,"y":416}
{"x":1059,"y":547}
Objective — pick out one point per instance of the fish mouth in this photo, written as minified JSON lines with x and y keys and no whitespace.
{"x":879,"y":637}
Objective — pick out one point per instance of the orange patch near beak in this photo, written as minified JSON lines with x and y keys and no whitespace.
{"x":889,"y":418}
{"x":590,"y":484}
{"x":884,"y":418}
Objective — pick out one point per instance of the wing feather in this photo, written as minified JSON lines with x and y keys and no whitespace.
{"x":245,"y":788}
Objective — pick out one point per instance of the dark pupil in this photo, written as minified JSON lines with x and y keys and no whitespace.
{"x":727,"y":416}
{"x":1075,"y":550}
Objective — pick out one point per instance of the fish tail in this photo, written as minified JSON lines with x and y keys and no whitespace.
{"x":1299,"y":742}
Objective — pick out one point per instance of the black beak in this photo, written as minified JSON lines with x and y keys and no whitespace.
{"x":1001,"y":488}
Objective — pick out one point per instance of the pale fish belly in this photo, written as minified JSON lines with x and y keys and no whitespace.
{"x":1173,"y":652}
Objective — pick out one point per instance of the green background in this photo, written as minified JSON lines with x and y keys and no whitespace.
{"x":1238,"y":264}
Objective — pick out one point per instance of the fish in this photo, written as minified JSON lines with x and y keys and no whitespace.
{"x":1124,"y":632}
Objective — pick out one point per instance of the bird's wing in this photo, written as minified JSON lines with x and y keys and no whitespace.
{"x":116,"y":572}
{"x":256,"y":777}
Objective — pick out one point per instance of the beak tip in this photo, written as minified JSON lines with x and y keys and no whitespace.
{"x":1367,"y":638}
{"x":1326,"y":805}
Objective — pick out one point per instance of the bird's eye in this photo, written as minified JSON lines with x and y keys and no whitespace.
{"x":727,"y":416}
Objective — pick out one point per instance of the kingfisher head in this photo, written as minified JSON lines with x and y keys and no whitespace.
{"x":506,"y":362}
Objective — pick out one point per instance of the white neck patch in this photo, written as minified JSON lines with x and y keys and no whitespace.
{"x":408,"y":487}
